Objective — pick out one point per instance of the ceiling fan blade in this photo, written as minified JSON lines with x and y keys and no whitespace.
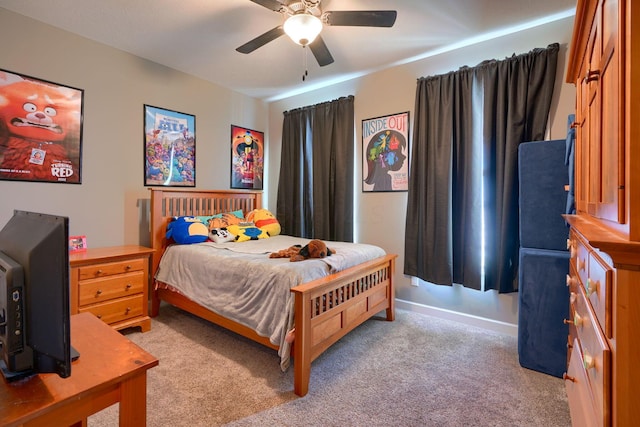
{"x":261,"y":40}
{"x":361,"y":18}
{"x":321,"y":52}
{"x":269,"y":4}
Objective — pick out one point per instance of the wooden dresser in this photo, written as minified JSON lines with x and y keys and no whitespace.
{"x":113,"y":284}
{"x":603,"y":357}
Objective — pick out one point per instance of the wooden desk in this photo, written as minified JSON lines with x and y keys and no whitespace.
{"x":110,"y":369}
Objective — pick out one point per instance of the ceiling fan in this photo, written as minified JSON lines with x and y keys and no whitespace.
{"x":304,"y":21}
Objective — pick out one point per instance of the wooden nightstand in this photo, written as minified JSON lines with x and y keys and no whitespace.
{"x":113,"y":284}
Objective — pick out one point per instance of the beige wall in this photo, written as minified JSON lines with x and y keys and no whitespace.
{"x":109,"y":206}
{"x":381,"y":216}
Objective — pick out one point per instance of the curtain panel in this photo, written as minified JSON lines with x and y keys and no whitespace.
{"x":462,"y":205}
{"x":315,"y":188}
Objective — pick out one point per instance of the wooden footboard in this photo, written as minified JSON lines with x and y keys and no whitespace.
{"x":325,"y":309}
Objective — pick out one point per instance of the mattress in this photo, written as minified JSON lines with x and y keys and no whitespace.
{"x":239,"y":281}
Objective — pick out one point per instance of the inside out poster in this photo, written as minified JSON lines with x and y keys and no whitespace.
{"x":385,"y":152}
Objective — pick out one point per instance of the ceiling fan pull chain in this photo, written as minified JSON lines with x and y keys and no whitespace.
{"x":304,"y":63}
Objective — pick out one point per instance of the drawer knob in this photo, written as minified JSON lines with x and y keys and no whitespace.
{"x":588,"y":361}
{"x":572,"y":298}
{"x":99,"y":272}
{"x":581,"y":264}
{"x":127,"y":310}
{"x":128,"y":267}
{"x":99,"y":316}
{"x":567,"y":377}
{"x":568,"y":243}
{"x":577,"y":319}
{"x":129,"y":285}
{"x":592,"y":286}
{"x":99,"y":292}
{"x":570,"y":280}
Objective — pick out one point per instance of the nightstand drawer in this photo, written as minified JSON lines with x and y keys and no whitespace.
{"x":105,"y":288}
{"x":595,"y":352}
{"x":111,"y":268}
{"x":117,"y":310}
{"x":113,"y":283}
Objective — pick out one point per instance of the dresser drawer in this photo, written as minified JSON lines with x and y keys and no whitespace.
{"x":105,"y":288}
{"x":597,"y":288}
{"x":581,"y":401}
{"x":579,"y":257}
{"x":117,"y":310}
{"x":573,"y":284}
{"x":111,"y":268}
{"x":595,"y":354}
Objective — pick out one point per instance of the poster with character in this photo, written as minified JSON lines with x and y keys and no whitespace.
{"x":385,"y":152}
{"x":247,"y":158}
{"x":40,"y":130}
{"x":169,"y":148}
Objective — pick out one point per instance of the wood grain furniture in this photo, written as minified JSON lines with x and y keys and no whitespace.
{"x":110,"y":369}
{"x":603,"y":375}
{"x":325,"y":309}
{"x":112,"y":283}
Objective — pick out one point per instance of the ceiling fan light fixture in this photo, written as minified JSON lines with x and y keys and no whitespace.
{"x":303,"y":28}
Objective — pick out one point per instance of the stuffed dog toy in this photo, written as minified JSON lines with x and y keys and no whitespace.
{"x":314,"y":249}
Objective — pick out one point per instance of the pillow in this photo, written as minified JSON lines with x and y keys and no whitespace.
{"x":221,"y":235}
{"x":265,"y":220}
{"x":186,"y":230}
{"x":247,"y":231}
{"x":223,"y":219}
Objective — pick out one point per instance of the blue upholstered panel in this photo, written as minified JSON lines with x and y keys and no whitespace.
{"x":542,"y":176}
{"x":543,"y":305}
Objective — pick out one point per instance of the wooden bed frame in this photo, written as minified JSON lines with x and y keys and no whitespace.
{"x":325,"y":309}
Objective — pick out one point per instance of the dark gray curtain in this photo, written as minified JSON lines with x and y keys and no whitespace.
{"x":315,"y":189}
{"x":467,"y":129}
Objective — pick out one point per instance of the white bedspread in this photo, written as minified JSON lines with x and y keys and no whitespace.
{"x":240,"y":282}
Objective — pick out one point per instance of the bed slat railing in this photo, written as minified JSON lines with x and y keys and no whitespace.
{"x":181,"y":206}
{"x":326,"y":310}
{"x":333,"y":298}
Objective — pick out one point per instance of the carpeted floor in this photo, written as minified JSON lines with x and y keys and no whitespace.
{"x":415,"y":371}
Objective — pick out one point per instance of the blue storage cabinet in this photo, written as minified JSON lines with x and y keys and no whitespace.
{"x":543,"y":301}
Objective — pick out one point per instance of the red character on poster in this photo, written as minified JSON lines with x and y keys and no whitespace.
{"x":35,"y":122}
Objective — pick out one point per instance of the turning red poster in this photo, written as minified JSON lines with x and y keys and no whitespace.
{"x":40,"y":130}
{"x":247,"y":158}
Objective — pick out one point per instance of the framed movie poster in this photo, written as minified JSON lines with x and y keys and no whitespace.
{"x":40,"y":130}
{"x":169,"y":148}
{"x":247,"y":158}
{"x":385,"y":152}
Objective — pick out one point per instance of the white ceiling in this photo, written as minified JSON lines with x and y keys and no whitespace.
{"x":199,"y":37}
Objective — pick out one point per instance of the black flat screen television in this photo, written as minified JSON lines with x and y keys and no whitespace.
{"x":34,"y":296}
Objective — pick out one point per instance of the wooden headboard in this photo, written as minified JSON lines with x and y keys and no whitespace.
{"x":167,"y":203}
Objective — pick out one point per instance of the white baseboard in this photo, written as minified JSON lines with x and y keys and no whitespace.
{"x":469,"y":319}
